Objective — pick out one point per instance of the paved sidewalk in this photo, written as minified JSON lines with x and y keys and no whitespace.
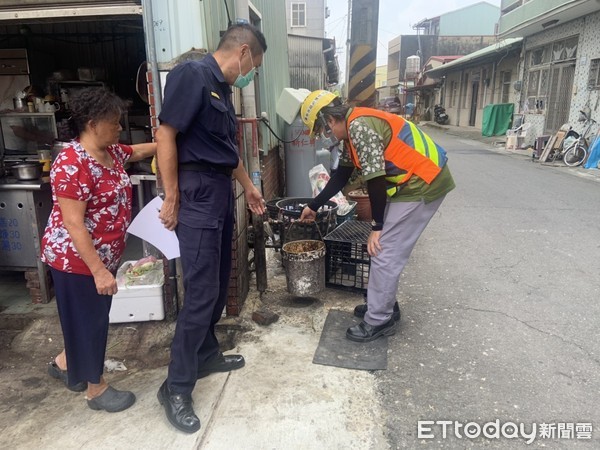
{"x":279,"y":400}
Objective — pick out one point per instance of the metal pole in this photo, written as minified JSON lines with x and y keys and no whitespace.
{"x":174,"y":289}
{"x":249,"y":111}
{"x":363,"y":52}
{"x":151,"y":53}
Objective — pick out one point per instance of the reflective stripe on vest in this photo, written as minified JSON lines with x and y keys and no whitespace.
{"x":409,"y":152}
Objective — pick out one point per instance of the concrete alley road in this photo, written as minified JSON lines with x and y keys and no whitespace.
{"x":500,"y":310}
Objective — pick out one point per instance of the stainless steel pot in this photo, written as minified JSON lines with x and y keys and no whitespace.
{"x":27,"y":170}
{"x":57,"y":147}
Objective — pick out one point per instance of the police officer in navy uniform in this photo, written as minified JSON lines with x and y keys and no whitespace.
{"x":197,"y":156}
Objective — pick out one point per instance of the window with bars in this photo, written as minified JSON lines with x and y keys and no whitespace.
{"x":565,"y":49}
{"x":298,"y":14}
{"x":537,"y":89}
{"x":505,"y":88}
{"x":453,"y":85}
{"x":483,"y":87}
{"x":594,"y":78}
{"x":557,"y":51}
{"x":465,"y":89}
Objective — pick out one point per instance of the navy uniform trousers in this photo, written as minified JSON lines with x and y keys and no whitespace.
{"x":205,"y":231}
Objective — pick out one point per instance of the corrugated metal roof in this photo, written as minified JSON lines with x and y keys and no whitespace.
{"x":306,"y":62}
{"x":506,"y":44}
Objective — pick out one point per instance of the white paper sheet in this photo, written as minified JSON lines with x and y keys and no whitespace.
{"x":147,"y":226}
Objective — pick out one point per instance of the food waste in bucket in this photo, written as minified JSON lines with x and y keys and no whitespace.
{"x":304,"y":263}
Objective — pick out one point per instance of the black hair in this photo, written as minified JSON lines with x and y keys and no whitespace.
{"x":336,"y":111}
{"x":243,"y":33}
{"x":94,"y":104}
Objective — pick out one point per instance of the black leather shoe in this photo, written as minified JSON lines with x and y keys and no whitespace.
{"x":361,"y":310}
{"x":221,"y":363}
{"x":363,"y":332}
{"x":179,"y":410}
{"x":55,"y":372}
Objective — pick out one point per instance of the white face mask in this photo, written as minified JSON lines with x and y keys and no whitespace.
{"x":244,"y":80}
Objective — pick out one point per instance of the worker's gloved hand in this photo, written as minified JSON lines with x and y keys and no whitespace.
{"x":308,"y":215}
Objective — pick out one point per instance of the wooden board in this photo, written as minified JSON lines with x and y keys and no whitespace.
{"x":555,"y":142}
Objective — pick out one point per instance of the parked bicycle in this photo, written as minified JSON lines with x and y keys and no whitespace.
{"x":576,"y":152}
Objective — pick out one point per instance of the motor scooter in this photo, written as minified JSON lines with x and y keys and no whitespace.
{"x":439,"y":115}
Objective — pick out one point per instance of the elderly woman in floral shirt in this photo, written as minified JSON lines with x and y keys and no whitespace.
{"x":85,"y":238}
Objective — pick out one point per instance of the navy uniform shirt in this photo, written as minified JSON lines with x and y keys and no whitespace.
{"x":197,"y":103}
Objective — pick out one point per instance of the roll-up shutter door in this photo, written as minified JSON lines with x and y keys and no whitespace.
{"x":19,"y":10}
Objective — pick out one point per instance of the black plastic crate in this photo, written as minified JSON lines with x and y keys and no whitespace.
{"x":290,"y":210}
{"x":347,"y":261}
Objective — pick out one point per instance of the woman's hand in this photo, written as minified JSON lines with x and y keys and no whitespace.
{"x":106,"y":284}
{"x":373,"y":245}
{"x":168,"y":213}
{"x":308,"y":215}
{"x":255,"y":200}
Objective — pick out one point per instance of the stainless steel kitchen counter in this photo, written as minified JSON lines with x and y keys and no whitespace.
{"x":24,"y":210}
{"x":9,"y":183}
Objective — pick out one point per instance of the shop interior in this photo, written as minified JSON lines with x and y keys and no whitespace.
{"x":42,"y":64}
{"x":61,"y":57}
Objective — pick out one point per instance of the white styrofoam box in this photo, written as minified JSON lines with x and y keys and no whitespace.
{"x":289,"y":102}
{"x":137,"y":303}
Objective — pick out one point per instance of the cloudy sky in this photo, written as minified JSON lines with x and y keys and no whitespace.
{"x":396,"y":17}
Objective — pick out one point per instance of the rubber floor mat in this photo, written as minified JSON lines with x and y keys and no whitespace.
{"x":335,"y":350}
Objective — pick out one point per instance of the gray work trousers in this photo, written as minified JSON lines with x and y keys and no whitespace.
{"x":403,"y":224}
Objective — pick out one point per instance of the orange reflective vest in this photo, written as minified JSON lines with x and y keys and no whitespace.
{"x":409,"y":152}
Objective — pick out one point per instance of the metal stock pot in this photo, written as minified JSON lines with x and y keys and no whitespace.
{"x":57,"y":147}
{"x":27,"y":170}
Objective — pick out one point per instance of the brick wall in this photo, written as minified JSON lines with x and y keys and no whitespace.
{"x":240,"y":275}
{"x":272,"y":175}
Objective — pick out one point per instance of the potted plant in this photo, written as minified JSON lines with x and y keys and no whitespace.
{"x":361,"y":197}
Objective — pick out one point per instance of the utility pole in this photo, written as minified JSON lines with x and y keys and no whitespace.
{"x":363,"y":52}
{"x":249,"y":112}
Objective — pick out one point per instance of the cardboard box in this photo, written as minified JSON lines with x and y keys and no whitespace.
{"x":137,"y":304}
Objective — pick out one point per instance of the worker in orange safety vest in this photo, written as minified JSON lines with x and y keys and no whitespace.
{"x":407,"y":178}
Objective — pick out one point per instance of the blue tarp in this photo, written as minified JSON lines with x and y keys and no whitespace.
{"x":594,"y":158}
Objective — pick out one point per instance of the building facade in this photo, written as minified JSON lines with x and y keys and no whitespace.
{"x":311,"y":58}
{"x":472,"y":82}
{"x":559,"y":69}
{"x":458,"y":32}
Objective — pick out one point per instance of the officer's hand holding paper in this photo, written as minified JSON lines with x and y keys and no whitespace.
{"x":147,"y":226}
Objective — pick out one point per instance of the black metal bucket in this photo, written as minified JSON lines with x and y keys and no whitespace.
{"x":290,"y":210}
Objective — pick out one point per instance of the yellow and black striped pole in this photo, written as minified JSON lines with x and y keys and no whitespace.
{"x":363,"y":52}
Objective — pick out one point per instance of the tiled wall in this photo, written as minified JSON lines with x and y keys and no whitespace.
{"x":588,"y":29}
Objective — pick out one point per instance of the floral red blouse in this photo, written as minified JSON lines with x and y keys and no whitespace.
{"x":78,"y":176}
